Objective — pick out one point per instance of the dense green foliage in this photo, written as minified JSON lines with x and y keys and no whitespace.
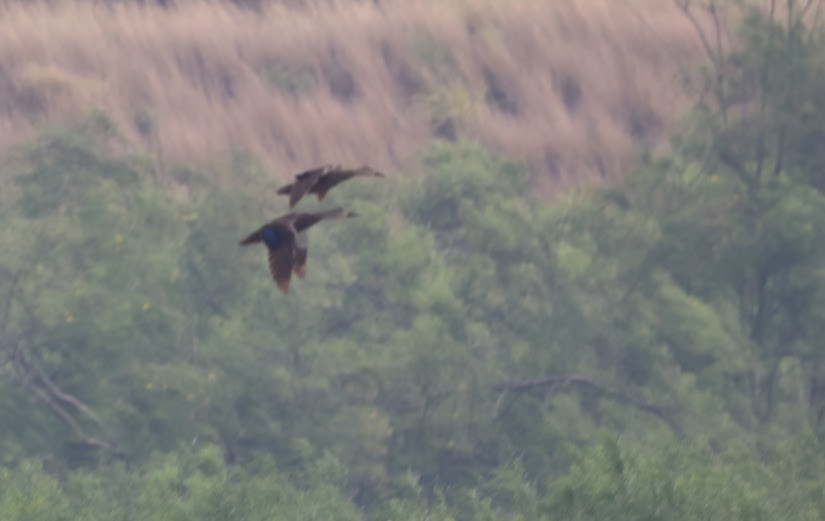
{"x":462,"y":350}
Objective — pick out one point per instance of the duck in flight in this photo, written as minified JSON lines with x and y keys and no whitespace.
{"x":321,"y":180}
{"x":285,"y":239}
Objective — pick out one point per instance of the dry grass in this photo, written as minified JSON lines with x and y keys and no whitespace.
{"x":567,"y":85}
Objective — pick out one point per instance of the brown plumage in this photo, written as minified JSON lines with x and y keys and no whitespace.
{"x":286,"y":242}
{"x":321,"y":180}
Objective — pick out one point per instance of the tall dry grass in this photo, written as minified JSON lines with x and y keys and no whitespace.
{"x":567,"y":85}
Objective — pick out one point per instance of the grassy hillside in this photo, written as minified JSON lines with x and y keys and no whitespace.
{"x":568,"y":86}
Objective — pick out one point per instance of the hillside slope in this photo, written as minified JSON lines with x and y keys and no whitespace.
{"x":567,"y":86}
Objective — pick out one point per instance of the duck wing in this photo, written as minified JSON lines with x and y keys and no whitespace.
{"x":330,"y":180}
{"x":304,"y":221}
{"x":303,"y":183}
{"x":252,"y":238}
{"x":281,"y":261}
{"x":301,"y":252}
{"x":279,"y":238}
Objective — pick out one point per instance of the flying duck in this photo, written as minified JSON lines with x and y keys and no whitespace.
{"x":321,"y":180}
{"x":285,"y":239}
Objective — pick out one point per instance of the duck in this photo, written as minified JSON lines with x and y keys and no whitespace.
{"x":286,"y":241}
{"x":321,"y":180}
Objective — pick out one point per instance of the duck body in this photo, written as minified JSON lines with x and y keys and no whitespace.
{"x":321,"y":180}
{"x":273,"y":235}
{"x":287,"y":243}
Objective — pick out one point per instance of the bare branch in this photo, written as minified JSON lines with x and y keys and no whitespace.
{"x":714,"y":51}
{"x":11,"y":347}
{"x":34,"y":379}
{"x":9,"y":299}
{"x":685,"y":7}
{"x":66,"y":417}
{"x":22,"y":358}
{"x":564,"y":381}
{"x":729,"y":159}
{"x":40,"y":384}
{"x":780,"y":155}
{"x":806,"y":7}
{"x":816,"y":14}
{"x":499,"y":401}
{"x":66,"y":397}
{"x":717,"y":27}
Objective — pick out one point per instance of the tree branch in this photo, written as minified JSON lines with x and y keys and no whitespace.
{"x":9,"y":299}
{"x":716,"y":56}
{"x":64,"y":396}
{"x":564,"y":381}
{"x":66,"y":417}
{"x":805,"y":8}
{"x":684,"y":6}
{"x":34,"y":379}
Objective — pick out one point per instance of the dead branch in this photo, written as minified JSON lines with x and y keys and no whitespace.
{"x":805,"y":8}
{"x":15,"y":279}
{"x":67,"y":417}
{"x":66,"y":397}
{"x":557,"y":383}
{"x":36,"y":380}
{"x":714,"y":46}
{"x":717,"y":28}
{"x":714,"y":55}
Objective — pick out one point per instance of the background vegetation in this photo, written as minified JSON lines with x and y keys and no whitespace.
{"x":568,"y":87}
{"x":466,"y":350}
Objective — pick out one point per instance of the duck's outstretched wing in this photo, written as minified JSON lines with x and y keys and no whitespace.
{"x":300,"y":267}
{"x":330,"y":180}
{"x":303,"y":221}
{"x":303,"y":183}
{"x":301,"y":252}
{"x":252,"y":238}
{"x":281,"y":261}
{"x":333,"y":177}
